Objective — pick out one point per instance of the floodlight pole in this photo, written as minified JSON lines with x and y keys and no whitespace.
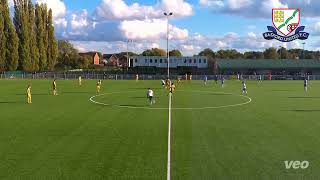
{"x":128,"y":59}
{"x":168,"y":55}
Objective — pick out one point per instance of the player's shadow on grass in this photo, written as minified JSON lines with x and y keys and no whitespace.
{"x":142,"y":97}
{"x":12,"y":102}
{"x":301,"y":97}
{"x":280,"y":90}
{"x":76,"y":93}
{"x":35,"y":94}
{"x":305,"y":110}
{"x":131,"y":105}
{"x":138,"y":97}
{"x":145,"y":88}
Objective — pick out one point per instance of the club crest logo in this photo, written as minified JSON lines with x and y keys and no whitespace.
{"x":286,"y":25}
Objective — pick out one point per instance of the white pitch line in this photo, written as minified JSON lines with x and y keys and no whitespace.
{"x":162,"y":108}
{"x":169,"y":139}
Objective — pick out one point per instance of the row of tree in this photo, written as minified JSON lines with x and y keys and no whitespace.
{"x":161,"y":52}
{"x":69,"y":57}
{"x":270,"y":53}
{"x":28,"y":42}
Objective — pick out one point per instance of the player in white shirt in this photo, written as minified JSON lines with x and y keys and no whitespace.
{"x":163,"y":83}
{"x":150,"y":95}
{"x":205,"y":80}
{"x":222,"y":81}
{"x":260,"y":78}
{"x":244,"y":88}
{"x":305,"y":84}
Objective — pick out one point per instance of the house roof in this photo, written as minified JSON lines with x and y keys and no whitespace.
{"x":268,"y":64}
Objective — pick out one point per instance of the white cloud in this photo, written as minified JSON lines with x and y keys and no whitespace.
{"x":154,"y":45}
{"x":267,"y":5}
{"x":238,"y":4}
{"x":178,"y":7}
{"x":11,"y":3}
{"x":119,"y":10}
{"x":151,"y":30}
{"x":112,"y":47}
{"x":315,"y":28}
{"x":218,"y":4}
{"x":261,"y":8}
{"x":79,"y":21}
{"x":58,"y":7}
{"x":61,"y":22}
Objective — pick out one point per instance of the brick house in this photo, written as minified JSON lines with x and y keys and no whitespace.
{"x":94,"y":55}
{"x":115,"y":60}
{"x":96,"y":59}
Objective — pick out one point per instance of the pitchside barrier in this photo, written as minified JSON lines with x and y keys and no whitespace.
{"x":53,"y":75}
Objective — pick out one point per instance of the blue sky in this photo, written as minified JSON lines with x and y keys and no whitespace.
{"x":106,"y":25}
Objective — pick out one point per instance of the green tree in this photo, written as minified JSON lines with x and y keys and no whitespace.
{"x":154,"y":52}
{"x":270,"y":53}
{"x":68,"y":55}
{"x":175,"y":53}
{"x":253,"y":55}
{"x":40,"y":37}
{"x":11,"y":39}
{"x":21,"y":22}
{"x":52,"y":50}
{"x":83,"y":62}
{"x":34,"y":51}
{"x":229,"y":54}
{"x":2,"y":40}
{"x":283,"y":53}
{"x":208,"y":53}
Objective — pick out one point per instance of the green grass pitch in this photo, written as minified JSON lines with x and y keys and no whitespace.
{"x":69,"y":137}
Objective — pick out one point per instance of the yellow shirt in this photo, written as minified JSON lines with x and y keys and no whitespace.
{"x":29,"y":91}
{"x":54,"y":85}
{"x":172,"y":88}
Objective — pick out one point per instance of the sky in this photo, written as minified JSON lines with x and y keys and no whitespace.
{"x":110,"y":26}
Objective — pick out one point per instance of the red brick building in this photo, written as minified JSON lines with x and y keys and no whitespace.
{"x":95,"y":57}
{"x":115,"y":60}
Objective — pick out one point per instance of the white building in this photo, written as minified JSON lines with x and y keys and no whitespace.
{"x":175,"y":62}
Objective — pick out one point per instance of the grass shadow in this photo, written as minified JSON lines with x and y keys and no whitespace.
{"x":139,"y":97}
{"x":34,"y":94}
{"x":305,"y":110}
{"x":75,"y":92}
{"x":131,"y":105}
{"x":300,"y":97}
{"x":281,"y":90}
{"x":12,"y":102}
{"x":146,"y":88}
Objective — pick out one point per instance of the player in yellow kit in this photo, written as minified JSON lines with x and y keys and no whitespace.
{"x":99,"y":86}
{"x":168,"y":83}
{"x":172,"y":88}
{"x":54,"y":87}
{"x":80,"y":81}
{"x":179,"y":79}
{"x":29,"y":96}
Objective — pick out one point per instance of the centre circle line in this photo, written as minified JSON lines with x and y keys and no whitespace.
{"x":178,"y":108}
